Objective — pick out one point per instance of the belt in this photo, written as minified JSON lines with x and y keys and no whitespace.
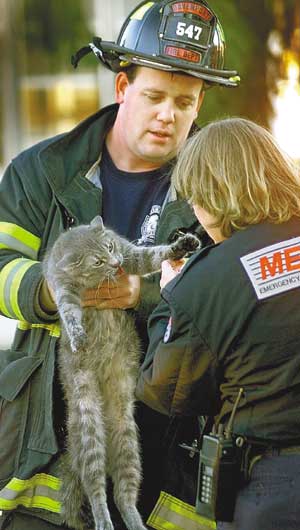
{"x":253,"y":451}
{"x":261,"y":447}
{"x":275,"y":451}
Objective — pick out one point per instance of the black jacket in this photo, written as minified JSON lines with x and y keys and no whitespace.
{"x":231,"y":320}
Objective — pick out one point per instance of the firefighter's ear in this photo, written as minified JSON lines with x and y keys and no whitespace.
{"x":121,"y":84}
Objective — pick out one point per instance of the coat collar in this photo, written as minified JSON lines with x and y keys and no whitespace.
{"x":71,"y":155}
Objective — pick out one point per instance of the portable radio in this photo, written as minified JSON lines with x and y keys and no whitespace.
{"x":218,"y":476}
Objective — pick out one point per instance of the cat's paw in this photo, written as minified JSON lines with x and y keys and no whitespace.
{"x":185,"y":244}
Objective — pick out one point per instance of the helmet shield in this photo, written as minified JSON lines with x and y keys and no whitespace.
{"x":172,"y":36}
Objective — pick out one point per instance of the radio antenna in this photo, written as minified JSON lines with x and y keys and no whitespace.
{"x":228,"y":429}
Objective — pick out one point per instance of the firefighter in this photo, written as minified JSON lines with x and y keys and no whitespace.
{"x":115,"y":163}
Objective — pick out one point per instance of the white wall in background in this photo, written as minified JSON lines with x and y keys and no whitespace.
{"x":7,"y":331}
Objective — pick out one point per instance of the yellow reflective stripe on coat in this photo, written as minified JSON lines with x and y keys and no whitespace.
{"x":17,"y":238}
{"x":11,"y":277}
{"x":40,"y":491}
{"x":53,"y":329}
{"x":171,"y":513}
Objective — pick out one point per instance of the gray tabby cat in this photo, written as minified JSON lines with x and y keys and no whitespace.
{"x":99,"y":359}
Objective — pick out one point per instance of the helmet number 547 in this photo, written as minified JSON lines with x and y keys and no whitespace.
{"x":192,"y":31}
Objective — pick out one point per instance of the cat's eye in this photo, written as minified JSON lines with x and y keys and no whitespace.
{"x":98,"y":262}
{"x":110,"y":246}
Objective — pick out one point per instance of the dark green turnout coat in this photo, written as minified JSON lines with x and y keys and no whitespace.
{"x":44,"y":189}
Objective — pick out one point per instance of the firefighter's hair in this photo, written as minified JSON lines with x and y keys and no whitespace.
{"x":235,"y":170}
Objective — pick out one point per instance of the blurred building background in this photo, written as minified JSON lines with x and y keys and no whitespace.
{"x":41,"y":94}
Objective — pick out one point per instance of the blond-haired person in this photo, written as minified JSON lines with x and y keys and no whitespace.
{"x":230,"y":320}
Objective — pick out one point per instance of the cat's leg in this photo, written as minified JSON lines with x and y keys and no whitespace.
{"x":87,"y":440}
{"x":124,"y":461}
{"x":144,"y":260}
{"x":70,"y":311}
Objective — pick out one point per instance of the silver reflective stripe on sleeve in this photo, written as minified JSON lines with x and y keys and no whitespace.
{"x":40,"y":491}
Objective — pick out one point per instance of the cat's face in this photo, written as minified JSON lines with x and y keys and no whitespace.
{"x":92,"y":255}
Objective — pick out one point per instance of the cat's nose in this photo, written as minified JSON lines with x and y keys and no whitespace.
{"x":115,"y":263}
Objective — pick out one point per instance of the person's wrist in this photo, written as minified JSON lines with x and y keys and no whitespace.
{"x":46,"y":300}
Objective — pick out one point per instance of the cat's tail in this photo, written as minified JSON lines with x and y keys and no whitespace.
{"x":72,"y":510}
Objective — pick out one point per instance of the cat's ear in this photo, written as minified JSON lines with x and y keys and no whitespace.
{"x":97,"y":222}
{"x":67,"y":262}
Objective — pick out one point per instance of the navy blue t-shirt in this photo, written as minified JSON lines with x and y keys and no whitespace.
{"x":132,"y":202}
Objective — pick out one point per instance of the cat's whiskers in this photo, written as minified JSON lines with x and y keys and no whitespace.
{"x":98,"y":289}
{"x":111,"y":278}
{"x":109,"y":293}
{"x":111,"y":275}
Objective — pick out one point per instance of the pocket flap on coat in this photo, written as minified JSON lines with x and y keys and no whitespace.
{"x":16,"y":374}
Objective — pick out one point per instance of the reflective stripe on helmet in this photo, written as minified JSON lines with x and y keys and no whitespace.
{"x":140,"y":12}
{"x":171,"y":513}
{"x":40,"y":491}
{"x":11,"y":277}
{"x":17,"y":238}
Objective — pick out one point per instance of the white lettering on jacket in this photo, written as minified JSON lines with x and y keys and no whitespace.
{"x":274,"y":269}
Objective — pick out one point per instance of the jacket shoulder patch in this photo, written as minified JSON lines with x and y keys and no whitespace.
{"x":274,"y":269}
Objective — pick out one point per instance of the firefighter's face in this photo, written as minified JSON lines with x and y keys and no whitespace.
{"x":156,"y":113}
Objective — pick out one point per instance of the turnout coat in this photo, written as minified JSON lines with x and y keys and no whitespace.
{"x":44,"y":190}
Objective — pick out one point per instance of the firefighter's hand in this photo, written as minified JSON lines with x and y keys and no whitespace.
{"x":124,"y":293}
{"x":170,"y":269}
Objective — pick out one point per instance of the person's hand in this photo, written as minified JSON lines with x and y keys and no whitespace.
{"x":124,"y":293}
{"x":170,"y":269}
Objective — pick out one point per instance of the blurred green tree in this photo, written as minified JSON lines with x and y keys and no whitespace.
{"x":246,"y":26}
{"x":50,"y":33}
